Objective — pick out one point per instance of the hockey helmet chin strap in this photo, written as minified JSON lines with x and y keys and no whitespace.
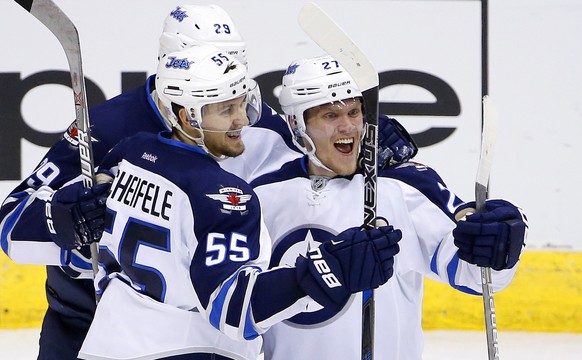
{"x":200,"y":140}
{"x":311,"y":154}
{"x":161,"y":111}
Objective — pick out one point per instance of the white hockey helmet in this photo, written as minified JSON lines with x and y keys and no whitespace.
{"x":198,"y":76}
{"x":308,"y":83}
{"x":189,"y":25}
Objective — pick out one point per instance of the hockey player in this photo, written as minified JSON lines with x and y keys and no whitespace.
{"x":25,"y":237}
{"x":24,"y":224}
{"x":309,"y":200}
{"x":184,"y":248}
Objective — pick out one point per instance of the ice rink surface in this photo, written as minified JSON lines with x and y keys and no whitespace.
{"x":440,"y":345}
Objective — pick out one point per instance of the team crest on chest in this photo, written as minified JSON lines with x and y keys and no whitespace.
{"x":285,"y":251}
{"x":232,"y":199}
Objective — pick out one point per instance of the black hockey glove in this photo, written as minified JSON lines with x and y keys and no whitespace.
{"x":354,"y":261}
{"x":395,"y":145}
{"x":493,"y":239}
{"x":76,"y":215}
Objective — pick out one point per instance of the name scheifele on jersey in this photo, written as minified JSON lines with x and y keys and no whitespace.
{"x":141,"y":194}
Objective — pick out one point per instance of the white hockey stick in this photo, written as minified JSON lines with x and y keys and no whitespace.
{"x":65,"y":31}
{"x":488,"y":138}
{"x":331,"y":38}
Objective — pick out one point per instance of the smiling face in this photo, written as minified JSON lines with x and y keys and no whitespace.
{"x":336,"y":131}
{"x":222,"y":125}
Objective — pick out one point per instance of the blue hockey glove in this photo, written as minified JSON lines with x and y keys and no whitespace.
{"x":76,"y":215}
{"x":492,"y":239}
{"x":354,"y":261}
{"x":395,"y":145}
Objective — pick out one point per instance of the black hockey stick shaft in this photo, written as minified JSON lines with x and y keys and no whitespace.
{"x":331,"y":38}
{"x":51,"y":16}
{"x":488,"y":138}
{"x":370,"y":165}
{"x":370,"y":155}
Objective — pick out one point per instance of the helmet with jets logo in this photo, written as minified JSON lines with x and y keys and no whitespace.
{"x":198,"y":76}
{"x":189,"y":25}
{"x":308,"y":83}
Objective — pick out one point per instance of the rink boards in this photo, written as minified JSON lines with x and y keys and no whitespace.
{"x":545,"y":296}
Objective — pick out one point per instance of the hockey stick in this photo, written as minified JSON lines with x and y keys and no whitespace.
{"x":488,"y":138}
{"x":331,"y":38}
{"x":49,"y":14}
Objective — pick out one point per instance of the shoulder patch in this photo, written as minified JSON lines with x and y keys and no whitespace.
{"x":232,"y":199}
{"x":71,"y":134}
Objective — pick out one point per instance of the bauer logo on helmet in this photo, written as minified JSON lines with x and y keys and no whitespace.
{"x":343,"y":83}
{"x":238,"y":81}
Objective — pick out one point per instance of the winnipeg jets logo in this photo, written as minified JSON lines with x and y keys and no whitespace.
{"x":179,"y":14}
{"x":300,"y":242}
{"x":291,"y":69}
{"x":232,"y":199}
{"x":177,"y":63}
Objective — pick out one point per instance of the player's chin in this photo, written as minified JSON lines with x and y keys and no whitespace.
{"x":234,"y":150}
{"x":344,"y":171}
{"x":345,"y":166}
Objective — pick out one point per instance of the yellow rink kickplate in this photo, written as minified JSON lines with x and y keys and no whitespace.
{"x":545,"y":296}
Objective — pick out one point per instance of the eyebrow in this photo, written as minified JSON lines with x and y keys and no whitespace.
{"x":229,"y":103}
{"x":334,"y":104}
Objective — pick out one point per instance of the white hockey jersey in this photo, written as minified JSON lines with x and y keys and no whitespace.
{"x":300,"y":212}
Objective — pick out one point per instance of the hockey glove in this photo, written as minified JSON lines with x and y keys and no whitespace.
{"x":395,"y":145}
{"x":354,"y":261}
{"x":77,"y":214}
{"x":492,"y":239}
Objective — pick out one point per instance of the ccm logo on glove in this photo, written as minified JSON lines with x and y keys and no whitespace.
{"x":321,"y":266}
{"x":357,"y":259}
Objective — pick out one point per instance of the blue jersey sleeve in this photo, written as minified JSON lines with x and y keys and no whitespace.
{"x":232,"y":253}
{"x":23,"y":233}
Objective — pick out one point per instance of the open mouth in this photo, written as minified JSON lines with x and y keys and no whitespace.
{"x":345,"y":146}
{"x":235,"y":134}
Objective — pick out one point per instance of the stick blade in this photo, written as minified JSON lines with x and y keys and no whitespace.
{"x":333,"y":40}
{"x":54,"y":19}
